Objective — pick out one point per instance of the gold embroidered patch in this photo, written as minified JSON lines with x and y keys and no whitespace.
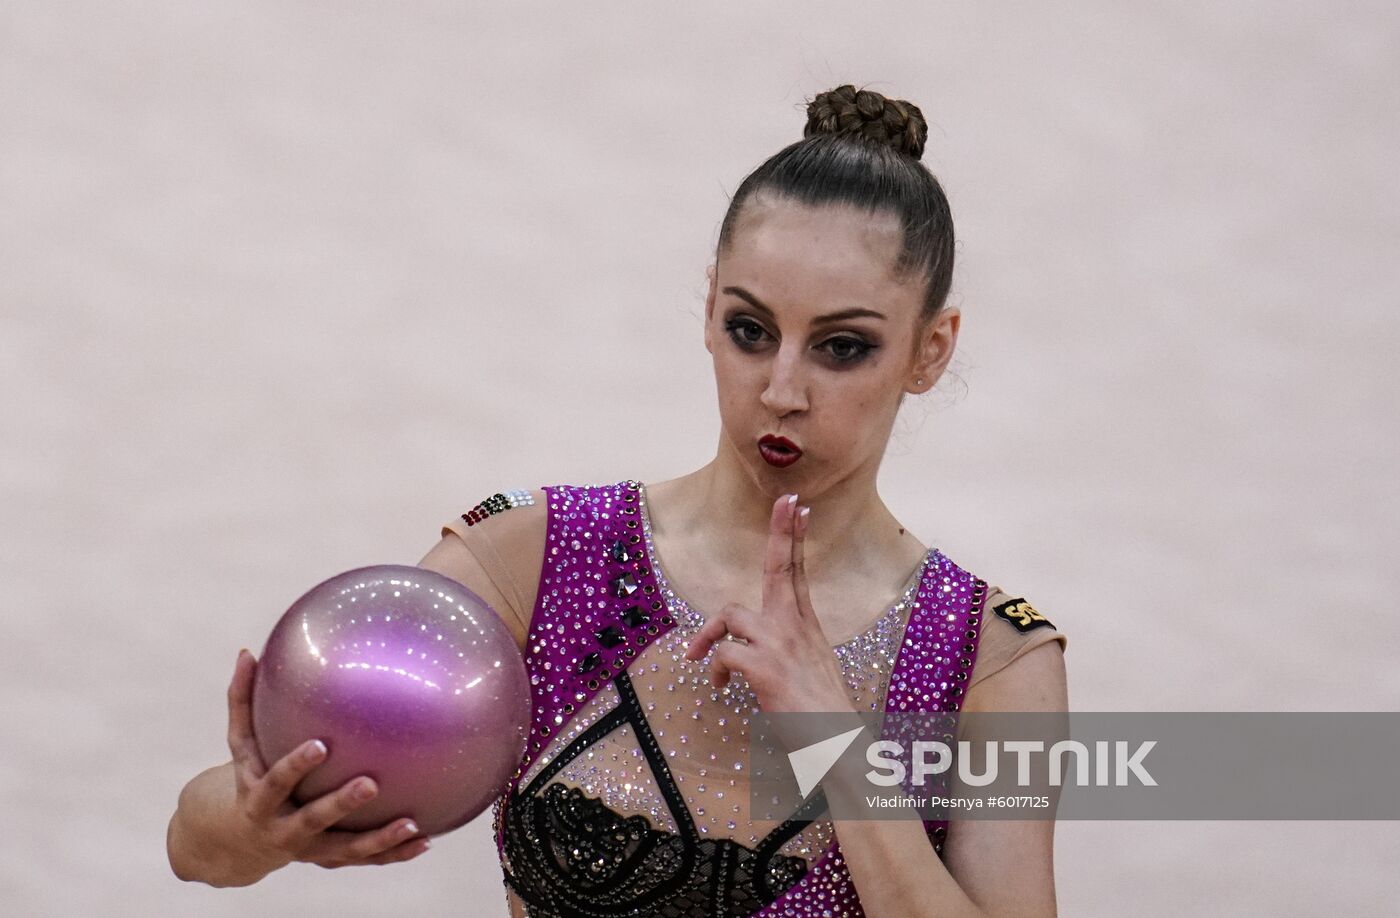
{"x":1022,"y":615}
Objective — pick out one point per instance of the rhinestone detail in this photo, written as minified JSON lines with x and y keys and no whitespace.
{"x":498,"y":503}
{"x":906,"y":660}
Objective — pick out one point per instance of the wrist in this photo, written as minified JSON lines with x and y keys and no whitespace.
{"x":219,"y":862}
{"x":206,"y":840}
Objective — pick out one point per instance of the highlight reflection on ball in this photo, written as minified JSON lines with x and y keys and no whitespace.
{"x":408,"y":677}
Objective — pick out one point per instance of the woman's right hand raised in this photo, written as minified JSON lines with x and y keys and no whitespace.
{"x":272,"y":828}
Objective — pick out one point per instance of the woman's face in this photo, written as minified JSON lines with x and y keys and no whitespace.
{"x":814,"y":340}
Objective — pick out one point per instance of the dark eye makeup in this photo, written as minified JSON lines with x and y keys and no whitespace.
{"x":842,"y":349}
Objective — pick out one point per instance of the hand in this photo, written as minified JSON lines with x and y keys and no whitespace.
{"x":782,"y":651}
{"x":274,"y":831}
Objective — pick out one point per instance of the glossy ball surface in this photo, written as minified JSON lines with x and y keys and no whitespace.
{"x":408,"y":677}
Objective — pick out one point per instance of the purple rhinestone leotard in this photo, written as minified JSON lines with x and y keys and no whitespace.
{"x":632,"y":797}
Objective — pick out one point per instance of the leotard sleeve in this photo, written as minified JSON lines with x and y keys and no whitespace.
{"x":1011,"y":628}
{"x":507,"y":540}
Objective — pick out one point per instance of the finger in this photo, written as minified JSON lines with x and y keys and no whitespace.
{"x":799,"y":565}
{"x":740,"y":621}
{"x":733,"y":619}
{"x":267,"y":795}
{"x":730,"y":656}
{"x":778,"y":596}
{"x":398,"y":838}
{"x":405,"y":852}
{"x":328,"y":809}
{"x":241,"y":744}
{"x":712,"y":630}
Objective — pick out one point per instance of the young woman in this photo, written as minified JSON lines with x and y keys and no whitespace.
{"x":655,"y":620}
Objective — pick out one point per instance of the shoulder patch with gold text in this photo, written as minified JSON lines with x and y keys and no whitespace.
{"x":1022,"y":615}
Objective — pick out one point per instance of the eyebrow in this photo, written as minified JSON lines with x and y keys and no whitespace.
{"x":852,"y":313}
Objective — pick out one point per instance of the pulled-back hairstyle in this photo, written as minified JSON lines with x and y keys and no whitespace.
{"x":862,"y":149}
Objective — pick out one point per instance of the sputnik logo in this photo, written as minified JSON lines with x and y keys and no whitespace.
{"x":811,"y":763}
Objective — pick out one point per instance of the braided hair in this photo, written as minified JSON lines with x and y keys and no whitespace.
{"x":862,"y":149}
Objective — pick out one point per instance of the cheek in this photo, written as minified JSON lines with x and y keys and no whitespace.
{"x":734,"y":374}
{"x":855,"y":410}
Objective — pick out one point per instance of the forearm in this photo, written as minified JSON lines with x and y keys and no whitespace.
{"x":896,"y":872}
{"x":197,"y":841}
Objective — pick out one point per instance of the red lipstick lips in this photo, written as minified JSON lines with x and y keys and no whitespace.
{"x":778,"y":451}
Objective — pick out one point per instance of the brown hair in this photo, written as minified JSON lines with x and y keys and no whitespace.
{"x":861,"y":149}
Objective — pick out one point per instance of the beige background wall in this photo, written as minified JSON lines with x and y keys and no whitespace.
{"x":284,"y":285}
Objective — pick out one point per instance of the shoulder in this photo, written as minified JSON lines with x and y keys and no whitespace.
{"x":499,"y":542}
{"x":495,"y":545}
{"x":1016,"y":615}
{"x":503,"y":518}
{"x":1023,"y":650}
{"x":520,"y":517}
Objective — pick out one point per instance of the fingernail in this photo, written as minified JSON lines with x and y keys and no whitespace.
{"x":364,"y":790}
{"x":314,"y":751}
{"x":792,"y":499}
{"x":408,"y":829}
{"x":427,"y":844}
{"x":803,"y":514}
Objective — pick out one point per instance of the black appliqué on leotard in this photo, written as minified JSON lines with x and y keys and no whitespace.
{"x":570,"y":855}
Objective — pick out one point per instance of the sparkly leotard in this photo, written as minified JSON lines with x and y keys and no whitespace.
{"x":632,"y":797}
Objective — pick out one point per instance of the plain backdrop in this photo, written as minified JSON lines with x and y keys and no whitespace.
{"x":285,"y":285}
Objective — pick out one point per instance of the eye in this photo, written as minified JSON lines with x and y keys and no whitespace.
{"x":739,"y":329}
{"x":847,"y":350}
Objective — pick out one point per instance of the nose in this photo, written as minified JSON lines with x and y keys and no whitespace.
{"x":786,"y":390}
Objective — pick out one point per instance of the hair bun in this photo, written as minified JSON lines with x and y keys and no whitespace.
{"x":867,"y":114}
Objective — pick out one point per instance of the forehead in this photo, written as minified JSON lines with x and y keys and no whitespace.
{"x":816,"y":259}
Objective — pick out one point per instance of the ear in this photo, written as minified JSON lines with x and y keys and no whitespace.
{"x":935,"y":350}
{"x":712,"y":273}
